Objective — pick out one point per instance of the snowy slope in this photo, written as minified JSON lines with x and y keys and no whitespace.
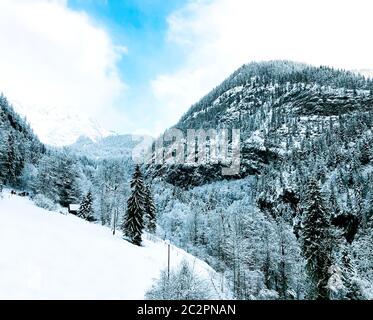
{"x":60,"y":127}
{"x":114,"y":146}
{"x":47,"y":255}
{"x":366,"y":72}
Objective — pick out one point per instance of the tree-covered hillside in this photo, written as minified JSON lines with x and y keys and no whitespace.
{"x":306,"y":148}
{"x":19,"y":146}
{"x":281,"y":109}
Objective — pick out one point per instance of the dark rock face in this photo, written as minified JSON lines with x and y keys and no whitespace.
{"x":349,"y":223}
{"x":253,"y":162}
{"x":187,"y":176}
{"x":327,"y":104}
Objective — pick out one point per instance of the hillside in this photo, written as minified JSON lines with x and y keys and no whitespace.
{"x":279,"y":107}
{"x":18,"y":144}
{"x":113,"y":146}
{"x":47,"y":255}
{"x":298,"y":124}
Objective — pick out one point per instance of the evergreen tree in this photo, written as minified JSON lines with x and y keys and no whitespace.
{"x":86,"y":208}
{"x":2,"y":154}
{"x":68,"y":179}
{"x":47,"y":178}
{"x":133,"y":224}
{"x":333,"y":203}
{"x":352,"y":289}
{"x":317,"y":241}
{"x":365,"y":156}
{"x":9,"y":162}
{"x":150,"y":211}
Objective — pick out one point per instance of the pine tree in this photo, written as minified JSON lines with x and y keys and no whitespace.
{"x":3,"y":146}
{"x":359,"y":206}
{"x":150,"y":211}
{"x":86,"y":208}
{"x":365,"y":155}
{"x":10,"y":161}
{"x":349,"y":275}
{"x":333,"y":203}
{"x":68,"y":179}
{"x":46,"y":182}
{"x":317,"y":241}
{"x":133,"y":224}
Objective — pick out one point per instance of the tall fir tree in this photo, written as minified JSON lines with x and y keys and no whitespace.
{"x":365,"y":153}
{"x":9,"y":161}
{"x":68,"y":179}
{"x":317,"y":241}
{"x":2,"y":155}
{"x":150,"y":211}
{"x":349,"y":273}
{"x":47,"y":178}
{"x":86,"y":208}
{"x":133,"y":224}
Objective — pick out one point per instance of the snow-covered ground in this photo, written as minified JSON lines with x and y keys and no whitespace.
{"x":47,"y":255}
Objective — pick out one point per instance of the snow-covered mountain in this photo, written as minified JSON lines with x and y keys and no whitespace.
{"x":277,"y":106}
{"x":55,"y":256}
{"x":299,"y":124}
{"x":60,"y":127}
{"x":113,"y":146}
{"x":366,"y":72}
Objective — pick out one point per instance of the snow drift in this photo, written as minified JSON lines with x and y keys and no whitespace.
{"x":47,"y":255}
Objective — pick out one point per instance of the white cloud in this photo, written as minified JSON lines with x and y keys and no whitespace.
{"x":221,"y":35}
{"x":56,"y":58}
{"x":51,"y":56}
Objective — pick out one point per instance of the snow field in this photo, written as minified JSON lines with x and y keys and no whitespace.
{"x":47,"y":255}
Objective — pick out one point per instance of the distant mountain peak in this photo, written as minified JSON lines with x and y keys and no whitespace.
{"x":61,"y":127}
{"x":365,"y":72}
{"x":112,"y":146}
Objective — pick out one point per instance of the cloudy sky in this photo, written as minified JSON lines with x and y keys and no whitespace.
{"x":137,"y":65}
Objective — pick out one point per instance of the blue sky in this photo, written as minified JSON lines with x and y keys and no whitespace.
{"x":140,"y":26}
{"x":137,"y":65}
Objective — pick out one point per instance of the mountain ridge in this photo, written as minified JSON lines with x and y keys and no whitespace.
{"x":60,"y":128}
{"x":278,"y":102}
